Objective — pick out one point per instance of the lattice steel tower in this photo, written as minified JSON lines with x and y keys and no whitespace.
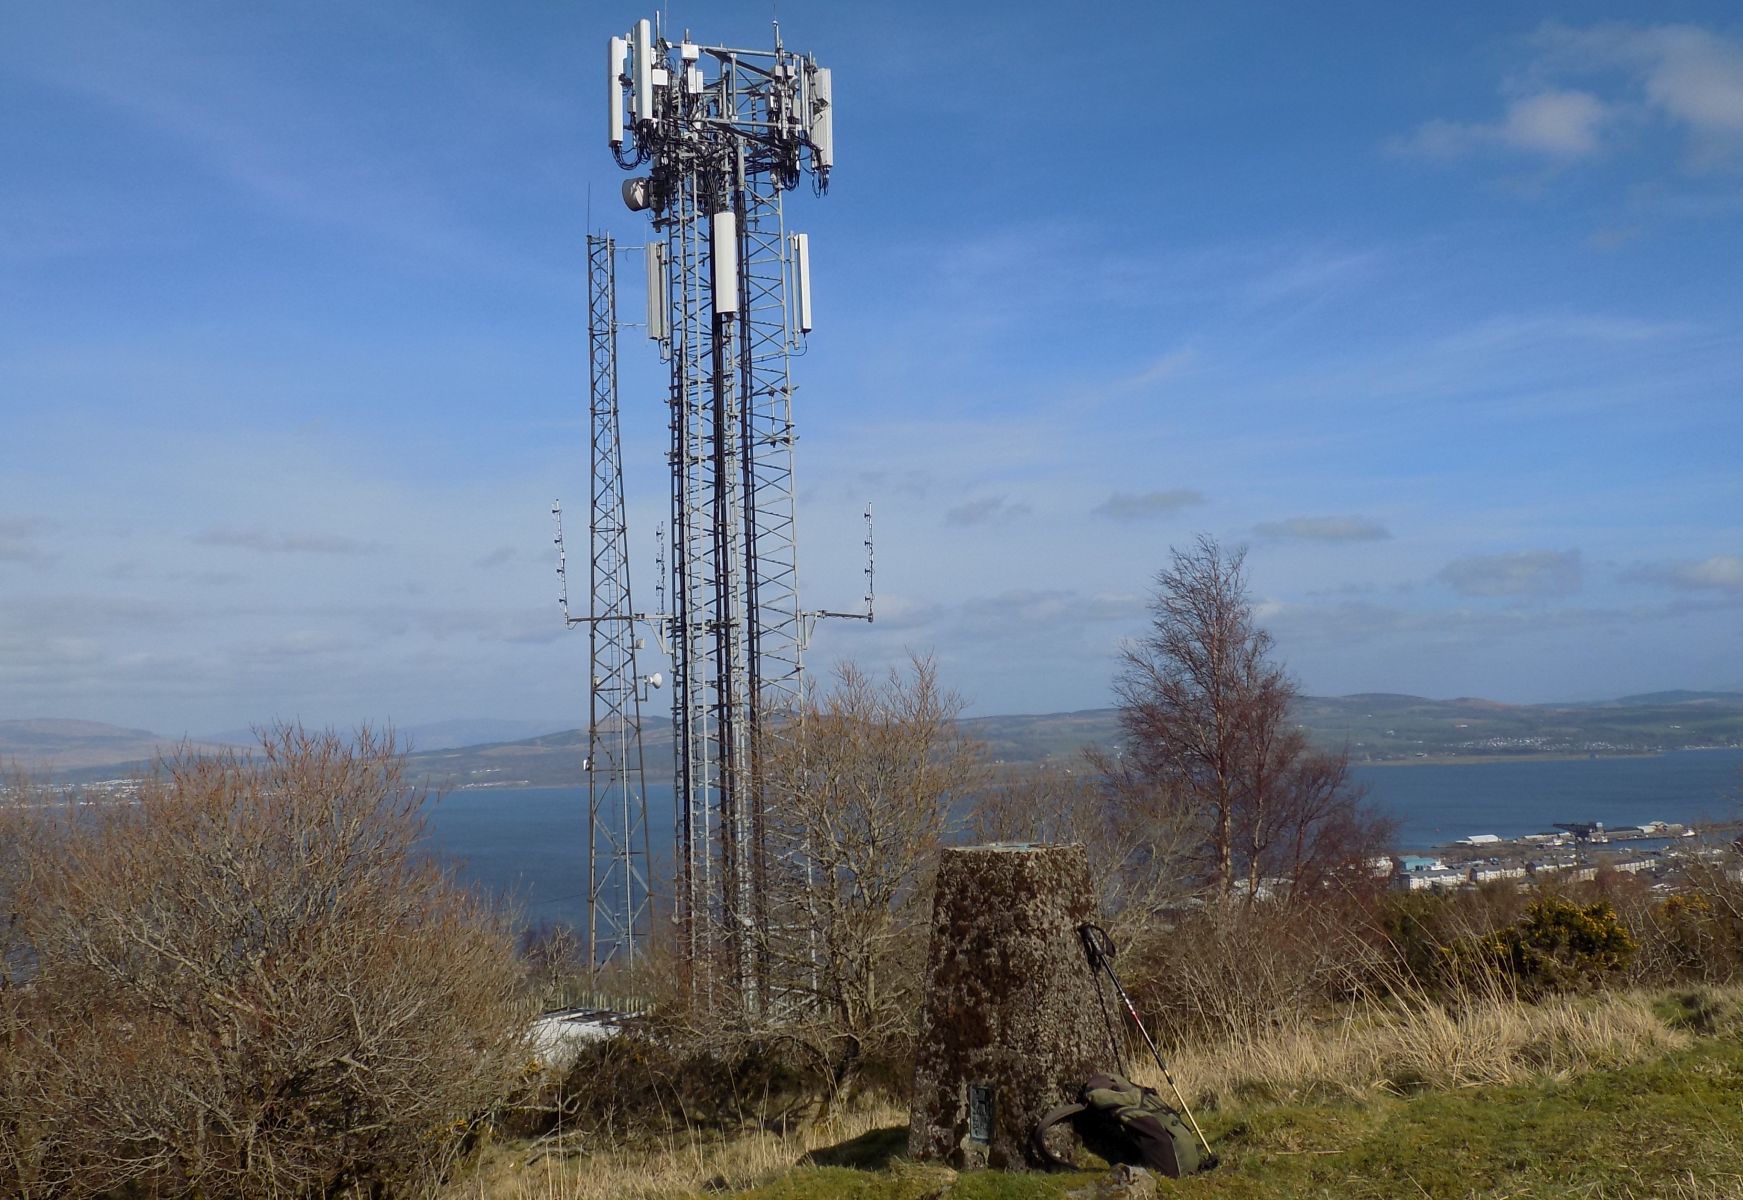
{"x":619,"y":897}
{"x":725,"y":133}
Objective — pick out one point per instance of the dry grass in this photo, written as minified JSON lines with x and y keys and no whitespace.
{"x":660,"y":1169}
{"x":1371,"y":1053}
{"x":1425,"y":1045}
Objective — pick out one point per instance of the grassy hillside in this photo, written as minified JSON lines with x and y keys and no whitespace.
{"x":1381,"y":726}
{"x":1614,"y":1096}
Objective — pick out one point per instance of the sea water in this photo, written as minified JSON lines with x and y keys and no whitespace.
{"x":526,"y":846}
{"x":1437,"y":803}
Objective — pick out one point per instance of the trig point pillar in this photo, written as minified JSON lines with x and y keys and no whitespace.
{"x":1010,"y":1025}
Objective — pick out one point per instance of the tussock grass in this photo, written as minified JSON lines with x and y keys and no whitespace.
{"x":676,"y":1166}
{"x":1423,"y":1046}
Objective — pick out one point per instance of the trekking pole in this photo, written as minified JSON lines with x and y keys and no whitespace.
{"x":1101,"y":950}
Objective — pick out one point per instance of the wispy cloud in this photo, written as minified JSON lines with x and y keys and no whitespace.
{"x":1558,"y":125}
{"x":19,"y":541}
{"x":986,"y":511}
{"x":1323,"y":529}
{"x":1140,"y":506}
{"x":297,"y":152}
{"x":285,"y":543}
{"x":1524,"y":573}
{"x":1165,"y":367}
{"x":1721,"y":572}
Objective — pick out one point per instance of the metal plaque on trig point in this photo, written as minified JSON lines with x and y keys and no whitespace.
{"x":980,"y":1113}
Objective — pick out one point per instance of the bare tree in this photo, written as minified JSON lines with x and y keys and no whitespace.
{"x":1047,"y":802}
{"x":1206,"y":718}
{"x":249,"y":983}
{"x":1134,"y":844}
{"x":866,"y":775}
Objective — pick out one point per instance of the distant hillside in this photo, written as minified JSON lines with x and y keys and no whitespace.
{"x":1381,"y":726}
{"x":49,"y":745}
{"x":1376,"y":727}
{"x":437,"y":735}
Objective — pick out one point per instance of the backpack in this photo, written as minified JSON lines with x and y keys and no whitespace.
{"x":1126,"y":1123}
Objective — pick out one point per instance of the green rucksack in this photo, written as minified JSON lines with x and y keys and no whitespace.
{"x":1126,"y":1123}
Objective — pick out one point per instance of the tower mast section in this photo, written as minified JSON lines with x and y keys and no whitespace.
{"x":619,"y":895}
{"x":725,"y":132}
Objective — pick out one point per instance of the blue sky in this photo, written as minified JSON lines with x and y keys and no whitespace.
{"x":1434,"y":309}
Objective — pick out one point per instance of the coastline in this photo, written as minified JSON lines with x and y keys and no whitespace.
{"x":1458,"y":760}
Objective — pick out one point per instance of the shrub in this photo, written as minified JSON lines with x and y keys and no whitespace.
{"x":1558,"y":946}
{"x":248,"y":984}
{"x":650,"y":1081}
{"x":1233,"y":968}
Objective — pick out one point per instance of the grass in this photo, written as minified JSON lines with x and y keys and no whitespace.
{"x":1426,"y":1046}
{"x":1602,"y":1098}
{"x":1668,"y":1127}
{"x":858,"y":1143}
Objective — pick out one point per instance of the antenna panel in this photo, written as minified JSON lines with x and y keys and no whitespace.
{"x":613,"y":72}
{"x":724,"y":245}
{"x":802,"y":281}
{"x":659,"y":314}
{"x":822,"y":120}
{"x":644,"y":71}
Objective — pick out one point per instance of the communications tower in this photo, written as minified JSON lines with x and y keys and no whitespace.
{"x":723,"y":134}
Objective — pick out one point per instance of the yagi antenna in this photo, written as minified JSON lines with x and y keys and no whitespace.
{"x":811,"y":618}
{"x":563,"y":567}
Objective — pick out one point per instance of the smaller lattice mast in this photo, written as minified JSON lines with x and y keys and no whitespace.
{"x":619,"y":894}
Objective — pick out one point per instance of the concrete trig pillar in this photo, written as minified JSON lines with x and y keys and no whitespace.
{"x":1010,"y":1025}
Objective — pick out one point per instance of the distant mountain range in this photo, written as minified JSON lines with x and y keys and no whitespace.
{"x":1376,"y":727}
{"x":50,"y":745}
{"x":437,"y":735}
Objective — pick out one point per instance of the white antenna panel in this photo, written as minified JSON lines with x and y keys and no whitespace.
{"x":614,"y":69}
{"x":822,"y":120}
{"x":725,"y":248}
{"x":802,"y":280}
{"x":659,"y":312}
{"x":644,"y":71}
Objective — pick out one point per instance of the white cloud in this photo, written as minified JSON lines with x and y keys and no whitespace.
{"x":1689,"y":75}
{"x":1559,"y":125}
{"x":20,"y":541}
{"x":1138,"y":506}
{"x":985,"y":511}
{"x":1721,"y":572}
{"x":1524,"y":573}
{"x":1324,"y":529}
{"x":1165,"y":367}
{"x":284,"y":543}
{"x":1681,"y":76}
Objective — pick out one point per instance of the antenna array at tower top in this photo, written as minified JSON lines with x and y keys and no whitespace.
{"x":669,"y":101}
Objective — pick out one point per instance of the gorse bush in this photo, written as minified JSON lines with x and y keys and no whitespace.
{"x":1557,"y":946}
{"x":248,"y":985}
